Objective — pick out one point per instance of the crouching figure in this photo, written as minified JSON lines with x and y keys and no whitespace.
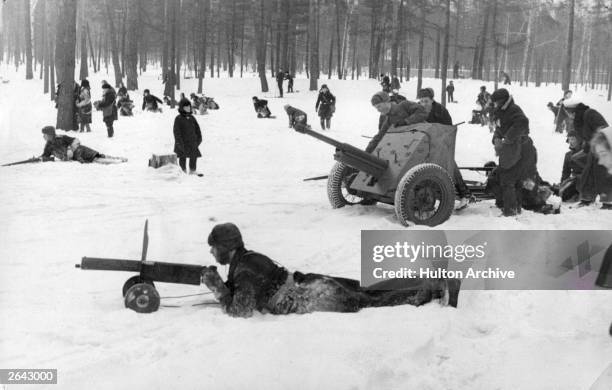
{"x":257,"y":283}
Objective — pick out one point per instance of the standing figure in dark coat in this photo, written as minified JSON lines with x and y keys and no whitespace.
{"x":84,"y":106}
{"x":150,"y":102}
{"x":257,"y":283}
{"x":450,"y":89}
{"x":573,"y":165}
{"x":261,"y":107}
{"x":456,"y":70}
{"x":437,"y":113}
{"x":395,"y":84}
{"x":280,"y":76}
{"x":122,"y":91}
{"x":187,"y":137}
{"x":289,"y":79}
{"x":392,"y":114}
{"x":595,"y":179}
{"x":517,"y":154}
{"x":297,"y":118}
{"x":108,"y":107}
{"x":325,"y":106}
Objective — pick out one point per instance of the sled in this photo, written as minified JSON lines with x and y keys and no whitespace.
{"x":139,"y":291}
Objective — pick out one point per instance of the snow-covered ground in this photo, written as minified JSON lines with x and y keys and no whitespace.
{"x":53,"y":315}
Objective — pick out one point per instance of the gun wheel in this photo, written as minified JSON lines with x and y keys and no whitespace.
{"x":425,"y":196}
{"x":142,"y":298}
{"x":133,"y":281}
{"x":338,"y":192}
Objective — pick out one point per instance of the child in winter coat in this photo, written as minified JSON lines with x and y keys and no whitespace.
{"x":187,"y":137}
{"x":326,"y":105}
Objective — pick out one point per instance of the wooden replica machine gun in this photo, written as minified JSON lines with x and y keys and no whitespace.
{"x":139,"y":291}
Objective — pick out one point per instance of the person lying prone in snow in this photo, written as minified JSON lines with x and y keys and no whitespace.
{"x":257,"y":283}
{"x":65,"y":148}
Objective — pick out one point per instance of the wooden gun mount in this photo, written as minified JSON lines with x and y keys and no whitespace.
{"x":350,"y":155}
{"x":149,"y":270}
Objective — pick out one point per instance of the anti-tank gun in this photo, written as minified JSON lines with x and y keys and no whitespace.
{"x":410,"y":169}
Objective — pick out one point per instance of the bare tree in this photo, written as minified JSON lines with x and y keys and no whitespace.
{"x":131,"y":60}
{"x":28,"y":39}
{"x":445,"y":52}
{"x":567,"y":67}
{"x":110,"y":14}
{"x":65,"y":49}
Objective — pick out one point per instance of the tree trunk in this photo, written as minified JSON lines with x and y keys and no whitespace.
{"x":338,"y":41}
{"x":260,"y":42}
{"x":178,"y":39}
{"x":110,"y":13}
{"x":83,"y":71}
{"x":45,"y":42}
{"x":66,"y":46}
{"x":527,"y":50}
{"x":395,"y":25}
{"x":28,"y":39}
{"x":483,"y":43}
{"x":91,"y":48}
{"x":421,"y":45}
{"x":133,"y":25}
{"x":437,"y":54}
{"x":567,"y":66}
{"x":204,"y":10}
{"x":445,"y":52}
{"x":313,"y":23}
{"x":496,"y":48}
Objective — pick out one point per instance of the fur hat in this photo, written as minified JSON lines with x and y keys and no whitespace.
{"x":226,"y":235}
{"x":380,"y":97}
{"x":106,"y":86}
{"x":146,"y":91}
{"x":501,"y":94}
{"x":49,"y":130}
{"x":425,"y":92}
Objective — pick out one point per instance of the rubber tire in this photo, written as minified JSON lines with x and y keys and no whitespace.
{"x":334,"y":186}
{"x":142,"y":298}
{"x":133,"y":281}
{"x":406,"y":187}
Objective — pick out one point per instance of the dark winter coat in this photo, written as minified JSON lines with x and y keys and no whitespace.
{"x":512,"y":127}
{"x":252,"y":280}
{"x":280,"y":76}
{"x":257,"y":283}
{"x":483,"y":98}
{"x":107,"y":105}
{"x":58,"y":147}
{"x":260,"y":104}
{"x":586,"y":122}
{"x":450,"y":88}
{"x":325,"y":104}
{"x":439,"y":114}
{"x":395,"y":83}
{"x":296,"y":117}
{"x":187,"y":136}
{"x":150,"y":102}
{"x":572,"y":164}
{"x":404,"y":113}
{"x":83,"y":154}
{"x":397,"y":98}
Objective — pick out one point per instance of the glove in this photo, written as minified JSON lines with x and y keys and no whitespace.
{"x":211,"y":278}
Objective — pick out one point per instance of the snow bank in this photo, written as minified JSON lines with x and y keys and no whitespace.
{"x":53,"y":315}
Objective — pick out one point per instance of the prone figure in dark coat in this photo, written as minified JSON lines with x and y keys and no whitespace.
{"x":187,"y":137}
{"x":257,"y":283}
{"x":65,"y":148}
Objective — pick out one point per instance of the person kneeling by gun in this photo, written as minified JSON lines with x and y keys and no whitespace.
{"x":65,"y":148}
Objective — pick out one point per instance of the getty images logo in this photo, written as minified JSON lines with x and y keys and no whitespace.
{"x":584,"y":253}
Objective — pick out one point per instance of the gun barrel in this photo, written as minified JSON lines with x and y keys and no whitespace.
{"x":110,"y":264}
{"x":352,"y":156}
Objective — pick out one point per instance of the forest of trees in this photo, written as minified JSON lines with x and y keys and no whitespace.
{"x":535,"y":42}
